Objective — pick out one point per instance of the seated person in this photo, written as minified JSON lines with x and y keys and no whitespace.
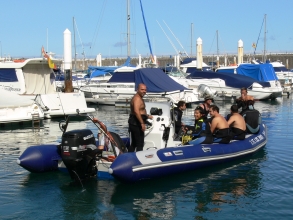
{"x":252,"y":118}
{"x":219,"y":126}
{"x":237,"y":124}
{"x":178,"y":112}
{"x":201,"y":131}
{"x":244,"y":101}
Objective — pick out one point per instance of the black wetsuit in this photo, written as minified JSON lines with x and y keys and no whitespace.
{"x":177,"y":117}
{"x":244,"y":105}
{"x":201,"y":128}
{"x":237,"y":134}
{"x":206,"y":111}
{"x":222,"y":136}
{"x":137,"y":135}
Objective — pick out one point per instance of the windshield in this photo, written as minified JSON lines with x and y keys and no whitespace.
{"x":281,"y":69}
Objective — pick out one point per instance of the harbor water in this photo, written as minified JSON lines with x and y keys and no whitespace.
{"x":256,"y":187}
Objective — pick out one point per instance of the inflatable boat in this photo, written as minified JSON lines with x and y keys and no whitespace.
{"x":162,"y":154}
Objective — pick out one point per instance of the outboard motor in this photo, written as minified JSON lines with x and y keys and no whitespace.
{"x":78,"y":152}
{"x":204,"y":90}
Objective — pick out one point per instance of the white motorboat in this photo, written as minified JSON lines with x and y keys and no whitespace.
{"x":188,"y":65}
{"x":121,"y":87}
{"x":18,"y":108}
{"x":33,"y":77}
{"x":260,"y":80}
{"x":284,"y":75}
{"x":196,"y":84}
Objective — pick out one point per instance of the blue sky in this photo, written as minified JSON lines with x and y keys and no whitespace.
{"x":101,"y":26}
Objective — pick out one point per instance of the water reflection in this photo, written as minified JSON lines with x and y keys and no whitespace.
{"x":207,"y":190}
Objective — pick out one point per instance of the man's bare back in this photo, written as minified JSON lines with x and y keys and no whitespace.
{"x":218,"y":122}
{"x":237,"y":121}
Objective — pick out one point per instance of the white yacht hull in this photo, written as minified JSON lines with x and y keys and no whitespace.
{"x":225,"y":93}
{"x":59,"y":104}
{"x":111,"y":93}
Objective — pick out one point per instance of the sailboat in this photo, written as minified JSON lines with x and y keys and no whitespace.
{"x":285,"y":77}
{"x":121,"y":87}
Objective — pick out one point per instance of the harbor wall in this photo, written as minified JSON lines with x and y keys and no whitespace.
{"x":164,"y":60}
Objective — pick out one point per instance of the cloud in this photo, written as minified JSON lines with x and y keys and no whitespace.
{"x":120,"y":44}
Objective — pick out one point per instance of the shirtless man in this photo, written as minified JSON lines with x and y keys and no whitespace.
{"x":237,"y":124}
{"x":137,"y":119}
{"x":219,"y":126}
{"x":244,"y":100}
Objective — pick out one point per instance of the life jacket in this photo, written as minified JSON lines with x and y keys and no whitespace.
{"x":252,"y":118}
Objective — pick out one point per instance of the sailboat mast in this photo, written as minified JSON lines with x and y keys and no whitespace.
{"x":146,"y":30}
{"x":217,"y":43}
{"x":74,"y":44}
{"x":265,"y":39}
{"x":128,"y":29}
{"x":191,"y":39}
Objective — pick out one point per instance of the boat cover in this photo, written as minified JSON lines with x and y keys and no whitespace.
{"x":122,"y":77}
{"x":231,"y":80}
{"x":261,"y":72}
{"x":101,"y":70}
{"x":156,"y":80}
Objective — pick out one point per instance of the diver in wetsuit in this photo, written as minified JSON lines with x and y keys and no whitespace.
{"x":219,"y":126}
{"x":201,"y":131}
{"x":244,"y":101}
{"x":237,"y":124}
{"x":208,"y":100}
{"x":178,"y":112}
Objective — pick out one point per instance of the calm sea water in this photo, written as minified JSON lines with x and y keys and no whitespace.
{"x":258,"y":187}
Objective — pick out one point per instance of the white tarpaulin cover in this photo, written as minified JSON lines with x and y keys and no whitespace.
{"x":38,"y":80}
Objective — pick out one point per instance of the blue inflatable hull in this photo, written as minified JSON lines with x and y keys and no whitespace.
{"x":133,"y":167}
{"x":40,"y":158}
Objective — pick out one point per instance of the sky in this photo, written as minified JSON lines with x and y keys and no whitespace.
{"x":173,"y":26}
